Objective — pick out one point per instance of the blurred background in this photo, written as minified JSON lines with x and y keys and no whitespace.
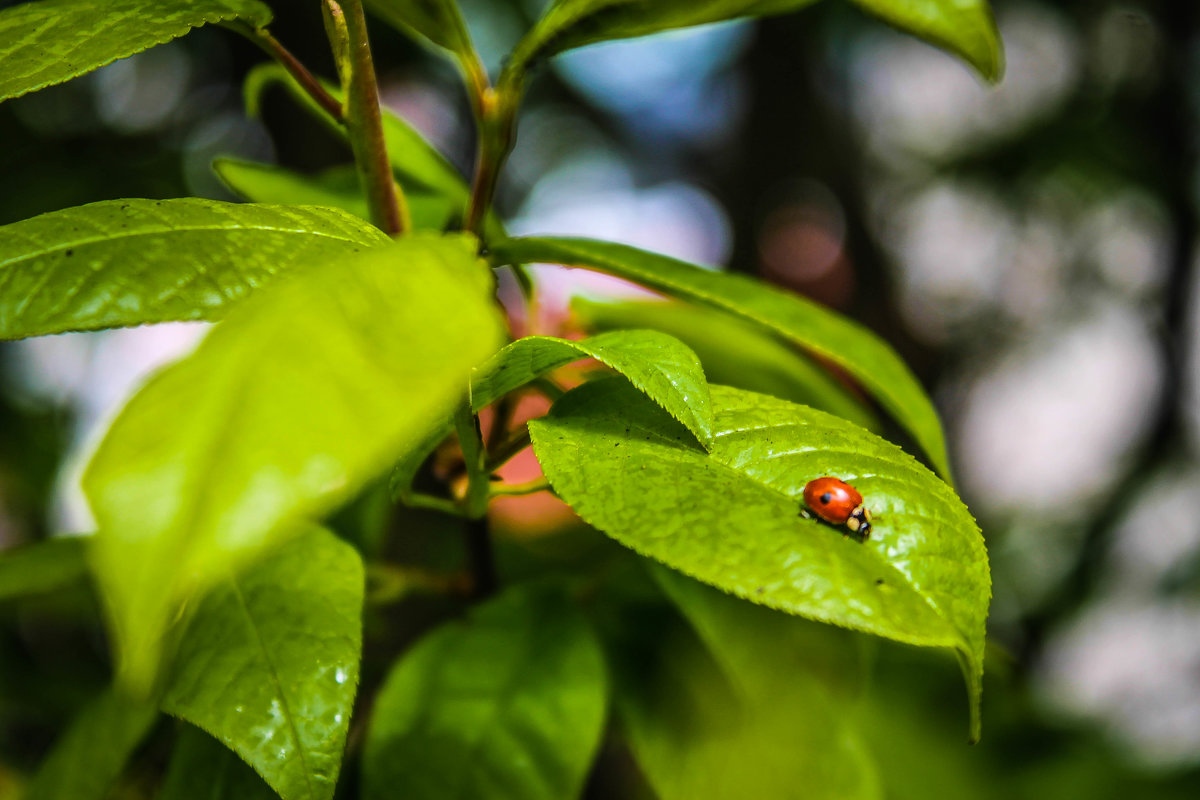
{"x":1029,"y":249}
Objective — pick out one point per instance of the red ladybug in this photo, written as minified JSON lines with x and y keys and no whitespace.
{"x":838,"y":503}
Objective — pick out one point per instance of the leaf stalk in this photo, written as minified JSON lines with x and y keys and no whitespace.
{"x":307,"y":81}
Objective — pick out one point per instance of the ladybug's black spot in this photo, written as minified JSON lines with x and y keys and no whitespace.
{"x":825,"y":498}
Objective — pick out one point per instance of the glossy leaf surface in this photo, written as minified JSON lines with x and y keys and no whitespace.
{"x":42,"y":567}
{"x":815,"y":328}
{"x":289,"y":406}
{"x":731,"y":517}
{"x":132,"y":262}
{"x":50,"y":41}
{"x":89,"y":757}
{"x":508,"y":704}
{"x":659,"y":365}
{"x":733,"y":352}
{"x":269,"y":663}
{"x":334,"y":188}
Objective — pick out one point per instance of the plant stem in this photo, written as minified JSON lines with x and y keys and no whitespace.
{"x":549,"y":388}
{"x":307,"y":81}
{"x":432,"y":503}
{"x":517,"y":489}
{"x":496,"y":117}
{"x":390,"y":583}
{"x":347,"y":28}
{"x":481,"y":557}
{"x":504,"y":451}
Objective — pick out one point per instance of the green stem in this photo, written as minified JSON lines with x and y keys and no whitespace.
{"x":470,"y":440}
{"x":504,"y":451}
{"x":497,"y":131}
{"x":549,"y":388}
{"x":347,"y":28}
{"x":518,"y":489}
{"x":390,"y":583}
{"x":307,"y":81}
{"x":478,"y":536}
{"x":432,"y":503}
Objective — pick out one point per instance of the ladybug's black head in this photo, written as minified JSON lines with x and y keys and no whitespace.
{"x":860,"y":522}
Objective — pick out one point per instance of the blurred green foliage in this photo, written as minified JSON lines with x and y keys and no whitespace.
{"x":711,"y":697}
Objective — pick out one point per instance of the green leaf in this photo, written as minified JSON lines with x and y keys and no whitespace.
{"x":288,"y":408}
{"x":202,"y":768}
{"x":567,"y":24}
{"x":699,"y":728}
{"x":51,"y":41}
{"x":964,"y":27}
{"x":660,"y":366}
{"x":657,"y":364}
{"x":439,"y":21}
{"x":269,"y":663}
{"x":335,"y":188}
{"x":509,"y":704}
{"x":801,"y":321}
{"x":730,"y":517}
{"x":90,"y":756}
{"x":42,"y":567}
{"x":732,"y":352}
{"x":132,"y":262}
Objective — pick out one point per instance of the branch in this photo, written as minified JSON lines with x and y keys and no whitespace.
{"x":347,"y":31}
{"x":497,"y":111}
{"x":483,"y":561}
{"x":518,"y":489}
{"x":307,"y":81}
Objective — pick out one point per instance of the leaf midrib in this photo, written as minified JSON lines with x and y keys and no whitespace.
{"x":274,"y":675}
{"x":187,"y":229}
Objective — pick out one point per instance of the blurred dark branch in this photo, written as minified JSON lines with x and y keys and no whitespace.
{"x":797,"y":127}
{"x":481,"y":558}
{"x":1168,"y":120}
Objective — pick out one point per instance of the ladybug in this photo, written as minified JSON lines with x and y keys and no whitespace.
{"x":838,"y":503}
